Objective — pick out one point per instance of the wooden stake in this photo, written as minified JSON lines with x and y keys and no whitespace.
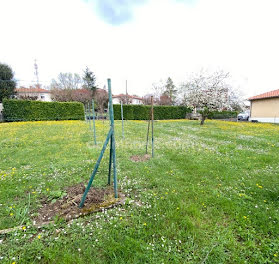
{"x":122,"y":120}
{"x":152,"y":122}
{"x":94,"y":127}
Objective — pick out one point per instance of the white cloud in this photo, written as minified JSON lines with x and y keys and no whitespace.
{"x":165,"y":38}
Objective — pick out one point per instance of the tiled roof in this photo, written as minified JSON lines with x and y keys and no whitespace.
{"x":270,"y":94}
{"x":32,"y":90}
{"x":129,"y":96}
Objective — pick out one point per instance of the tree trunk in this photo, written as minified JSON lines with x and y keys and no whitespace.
{"x":202,"y":120}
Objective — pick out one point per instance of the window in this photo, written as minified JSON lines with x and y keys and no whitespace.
{"x":42,"y":97}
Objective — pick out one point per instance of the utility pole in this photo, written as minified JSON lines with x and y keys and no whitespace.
{"x":127,"y":102}
{"x":36,"y":72}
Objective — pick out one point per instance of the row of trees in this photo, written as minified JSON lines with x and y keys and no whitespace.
{"x":73,"y":87}
{"x":203,"y":91}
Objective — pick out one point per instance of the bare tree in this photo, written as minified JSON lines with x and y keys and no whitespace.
{"x":147,"y":99}
{"x":157,"y":90}
{"x":79,"y":95}
{"x":165,"y":100}
{"x":66,"y":81}
{"x":61,"y":95}
{"x":101,"y":97}
{"x":67,"y":87}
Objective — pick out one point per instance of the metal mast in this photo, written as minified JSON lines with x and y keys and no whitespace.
{"x":36,"y":72}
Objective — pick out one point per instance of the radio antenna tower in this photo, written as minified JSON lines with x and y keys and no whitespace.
{"x":36,"y":72}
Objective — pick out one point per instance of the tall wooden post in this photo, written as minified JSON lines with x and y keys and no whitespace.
{"x":151,"y":119}
{"x":152,"y":127}
{"x":147,"y":135}
{"x":122,"y":119}
{"x":94,"y":127}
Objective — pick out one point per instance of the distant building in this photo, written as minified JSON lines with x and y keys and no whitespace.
{"x":127,"y":99}
{"x":35,"y":92}
{"x":265,"y":107}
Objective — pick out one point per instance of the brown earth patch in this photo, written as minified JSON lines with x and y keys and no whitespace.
{"x":67,"y":207}
{"x":139,"y":158}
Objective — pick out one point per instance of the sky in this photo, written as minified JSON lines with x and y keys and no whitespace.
{"x":142,"y":41}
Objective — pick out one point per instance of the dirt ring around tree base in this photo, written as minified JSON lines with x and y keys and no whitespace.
{"x":140,"y":158}
{"x":67,"y":207}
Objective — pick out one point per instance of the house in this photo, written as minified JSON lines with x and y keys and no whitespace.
{"x":127,"y":99}
{"x":265,"y":107}
{"x":38,"y":93}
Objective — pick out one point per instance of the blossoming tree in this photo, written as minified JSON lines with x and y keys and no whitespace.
{"x":206,"y":93}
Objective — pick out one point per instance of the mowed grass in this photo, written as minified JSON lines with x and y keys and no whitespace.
{"x":210,"y":194}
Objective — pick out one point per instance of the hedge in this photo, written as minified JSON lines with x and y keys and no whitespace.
{"x":223,"y":115}
{"x":141,"y":112}
{"x":25,"y":110}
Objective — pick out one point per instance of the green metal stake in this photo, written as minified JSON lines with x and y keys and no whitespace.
{"x":152,"y":127}
{"x":95,"y":169}
{"x":94,"y":127}
{"x":84,"y":113}
{"x":122,"y":120}
{"x":112,"y":140}
{"x":85,"y":107}
{"x":89,"y":114}
{"x":110,"y":137}
{"x":110,"y":161}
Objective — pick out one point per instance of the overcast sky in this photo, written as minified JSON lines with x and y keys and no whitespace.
{"x":143,"y":41}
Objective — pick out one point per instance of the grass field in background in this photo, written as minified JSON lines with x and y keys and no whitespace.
{"x":210,"y":194}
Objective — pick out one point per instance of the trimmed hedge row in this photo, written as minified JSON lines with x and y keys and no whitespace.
{"x":141,"y":112}
{"x":223,"y":115}
{"x":24,"y":110}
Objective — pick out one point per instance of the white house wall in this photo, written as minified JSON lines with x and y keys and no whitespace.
{"x":134,"y":101}
{"x":46,"y":97}
{"x":266,"y":119}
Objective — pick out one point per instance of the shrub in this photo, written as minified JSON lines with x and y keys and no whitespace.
{"x":142,"y":112}
{"x":223,"y":115}
{"x":23,"y":110}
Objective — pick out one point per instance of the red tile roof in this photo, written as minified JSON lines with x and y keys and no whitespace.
{"x":32,"y":90}
{"x":129,"y":96}
{"x":270,"y":94}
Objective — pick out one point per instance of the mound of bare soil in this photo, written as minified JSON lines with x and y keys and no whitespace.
{"x":140,"y":158}
{"x":67,"y":207}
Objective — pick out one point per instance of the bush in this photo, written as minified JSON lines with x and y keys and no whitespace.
{"x":23,"y":110}
{"x":142,"y":112}
{"x":223,"y":115}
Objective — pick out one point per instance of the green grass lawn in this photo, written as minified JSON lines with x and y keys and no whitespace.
{"x":210,"y":194}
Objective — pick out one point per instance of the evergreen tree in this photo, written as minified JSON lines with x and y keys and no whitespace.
{"x":89,"y":80}
{"x":170,"y":90}
{"x":7,"y":82}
